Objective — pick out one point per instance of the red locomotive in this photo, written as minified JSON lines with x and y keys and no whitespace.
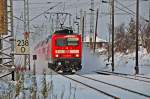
{"x":63,"y":50}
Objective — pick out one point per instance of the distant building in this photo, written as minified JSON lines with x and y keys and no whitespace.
{"x":100,"y":43}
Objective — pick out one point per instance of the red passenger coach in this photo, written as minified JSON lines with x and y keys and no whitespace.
{"x":64,"y":51}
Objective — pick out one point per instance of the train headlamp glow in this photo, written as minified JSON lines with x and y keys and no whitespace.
{"x":59,"y":63}
{"x":56,"y":55}
{"x":77,"y":55}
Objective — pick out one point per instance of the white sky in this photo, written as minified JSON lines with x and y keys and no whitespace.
{"x":74,"y":6}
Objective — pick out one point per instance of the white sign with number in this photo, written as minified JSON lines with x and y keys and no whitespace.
{"x":22,"y":47}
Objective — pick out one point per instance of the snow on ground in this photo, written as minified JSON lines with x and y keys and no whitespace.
{"x":125,"y":83}
{"x":78,"y":91}
{"x":91,"y":61}
{"x":61,"y":87}
{"x":138,"y":86}
{"x":124,"y":63}
{"x":6,"y":89}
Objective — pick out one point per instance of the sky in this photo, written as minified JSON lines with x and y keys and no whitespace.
{"x":74,"y":6}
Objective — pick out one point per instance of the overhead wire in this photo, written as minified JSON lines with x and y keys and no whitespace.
{"x":133,"y":13}
{"x":124,"y":10}
{"x":42,"y":2}
{"x":45,"y":11}
{"x":130,"y":10}
{"x":124,"y":6}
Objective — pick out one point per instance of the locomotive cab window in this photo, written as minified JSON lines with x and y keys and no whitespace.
{"x":72,"y":41}
{"x":61,"y":42}
{"x":67,"y":41}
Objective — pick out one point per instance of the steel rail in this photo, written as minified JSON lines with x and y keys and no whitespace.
{"x":103,"y":92}
{"x":145,"y":95}
{"x":98,"y":90}
{"x":125,"y":75}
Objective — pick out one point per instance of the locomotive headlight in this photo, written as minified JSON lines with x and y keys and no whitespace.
{"x":59,"y":63}
{"x":77,"y":55}
{"x":56,"y":55}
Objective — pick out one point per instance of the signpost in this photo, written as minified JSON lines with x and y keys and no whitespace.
{"x":22,"y":46}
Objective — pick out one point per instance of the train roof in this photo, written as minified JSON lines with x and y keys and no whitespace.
{"x":64,"y":31}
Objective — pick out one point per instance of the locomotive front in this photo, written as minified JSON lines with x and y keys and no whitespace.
{"x":66,"y":52}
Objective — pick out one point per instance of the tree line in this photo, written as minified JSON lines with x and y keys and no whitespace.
{"x":125,"y":37}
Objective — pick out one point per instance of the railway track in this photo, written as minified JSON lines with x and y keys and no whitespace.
{"x":89,"y":86}
{"x":129,"y":90}
{"x":140,"y":76}
{"x":103,"y":91}
{"x":128,"y":76}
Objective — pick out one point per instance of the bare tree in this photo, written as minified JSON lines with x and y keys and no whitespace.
{"x":131,"y":34}
{"x":120,"y":38}
{"x":147,"y":37}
